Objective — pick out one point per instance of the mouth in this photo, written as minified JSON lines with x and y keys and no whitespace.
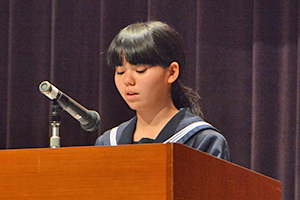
{"x":131,"y":96}
{"x":131,"y":93}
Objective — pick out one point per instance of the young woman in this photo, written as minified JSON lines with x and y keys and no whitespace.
{"x":147,"y":58}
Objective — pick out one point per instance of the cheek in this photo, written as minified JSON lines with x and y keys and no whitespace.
{"x":157,"y":86}
{"x":118,"y":83}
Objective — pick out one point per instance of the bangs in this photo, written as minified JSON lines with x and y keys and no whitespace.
{"x":134,"y":54}
{"x":136,"y":45}
{"x":152,"y":43}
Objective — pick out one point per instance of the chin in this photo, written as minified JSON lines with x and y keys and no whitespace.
{"x":133,"y":107}
{"x":136,"y":108}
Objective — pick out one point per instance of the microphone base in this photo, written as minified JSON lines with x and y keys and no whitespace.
{"x":55,"y":142}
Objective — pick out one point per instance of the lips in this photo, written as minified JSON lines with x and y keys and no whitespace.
{"x":130,"y":92}
{"x":131,"y":95}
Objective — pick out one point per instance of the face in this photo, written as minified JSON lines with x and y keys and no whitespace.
{"x":143,"y":86}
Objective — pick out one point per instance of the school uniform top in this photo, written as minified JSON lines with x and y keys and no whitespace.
{"x":184,"y":128}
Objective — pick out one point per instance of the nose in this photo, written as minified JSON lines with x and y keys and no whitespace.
{"x":129,"y":79}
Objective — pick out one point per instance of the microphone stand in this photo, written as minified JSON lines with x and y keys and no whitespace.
{"x":55,"y":122}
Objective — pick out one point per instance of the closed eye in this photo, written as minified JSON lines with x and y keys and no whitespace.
{"x":141,"y":68}
{"x":120,"y":73}
{"x":120,"y":70}
{"x":141,"y":71}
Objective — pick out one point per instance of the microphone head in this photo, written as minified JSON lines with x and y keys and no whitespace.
{"x":93,"y":124}
{"x":49,"y":90}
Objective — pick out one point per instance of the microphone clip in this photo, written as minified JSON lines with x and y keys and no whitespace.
{"x":55,"y":123}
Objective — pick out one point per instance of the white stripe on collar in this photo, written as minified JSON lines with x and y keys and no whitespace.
{"x":180,"y":134}
{"x":175,"y":138}
{"x":113,"y":136}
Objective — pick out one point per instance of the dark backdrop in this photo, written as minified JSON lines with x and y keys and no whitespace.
{"x":243,"y":58}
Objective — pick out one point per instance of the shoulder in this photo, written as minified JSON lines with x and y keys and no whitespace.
{"x":205,"y":138}
{"x":211,"y":142}
{"x":105,"y":138}
{"x":190,"y":121}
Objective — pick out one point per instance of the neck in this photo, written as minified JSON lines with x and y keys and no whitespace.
{"x":150,"y":123}
{"x":153,"y":117}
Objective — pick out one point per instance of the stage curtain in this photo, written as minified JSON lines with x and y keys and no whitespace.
{"x":242,"y":58}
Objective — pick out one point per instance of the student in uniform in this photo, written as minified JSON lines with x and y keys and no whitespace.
{"x":147,"y":58}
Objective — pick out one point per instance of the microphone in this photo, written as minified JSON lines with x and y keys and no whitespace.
{"x":88,"y":119}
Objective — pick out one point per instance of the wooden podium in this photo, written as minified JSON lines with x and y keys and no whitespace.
{"x":157,"y":171}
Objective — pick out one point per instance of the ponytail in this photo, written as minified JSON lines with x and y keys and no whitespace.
{"x":185,"y":97}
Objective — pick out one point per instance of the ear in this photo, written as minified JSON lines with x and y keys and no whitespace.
{"x":173,"y":70}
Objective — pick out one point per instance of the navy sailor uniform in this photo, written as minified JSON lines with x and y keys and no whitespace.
{"x":184,"y":128}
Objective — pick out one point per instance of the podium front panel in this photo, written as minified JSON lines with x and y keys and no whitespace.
{"x":123,"y":172}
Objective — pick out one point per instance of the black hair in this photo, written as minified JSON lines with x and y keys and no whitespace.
{"x":154,"y":43}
